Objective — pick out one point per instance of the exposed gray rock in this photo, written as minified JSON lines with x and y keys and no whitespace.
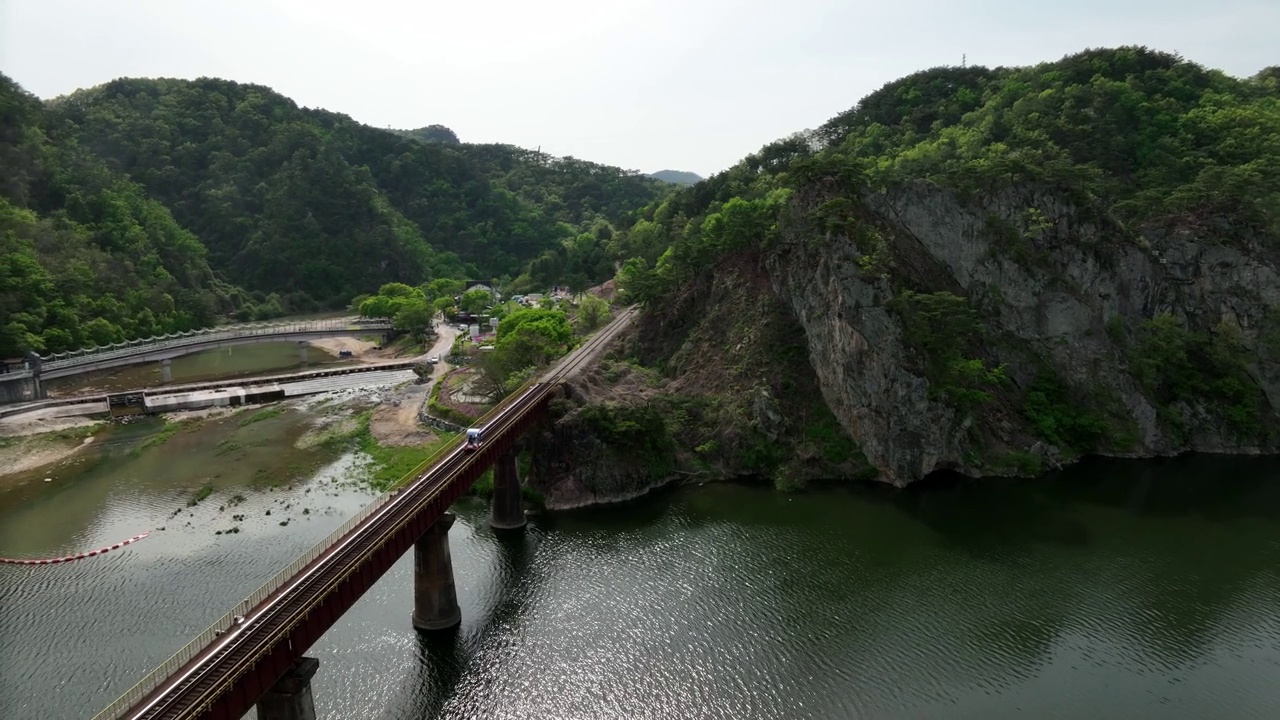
{"x":1046,"y":278}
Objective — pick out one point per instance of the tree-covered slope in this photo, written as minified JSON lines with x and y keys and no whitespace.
{"x":1141,"y":136}
{"x":1144,"y":135}
{"x":85,"y":256}
{"x":1000,"y":268}
{"x":307,"y":201}
{"x":149,"y":206}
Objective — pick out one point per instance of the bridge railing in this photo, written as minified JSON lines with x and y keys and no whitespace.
{"x":196,"y":337}
{"x":175,"y":662}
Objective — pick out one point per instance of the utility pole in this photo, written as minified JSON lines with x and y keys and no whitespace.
{"x":964,"y":60}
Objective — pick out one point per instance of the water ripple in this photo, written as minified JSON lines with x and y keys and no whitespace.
{"x":726,"y":603}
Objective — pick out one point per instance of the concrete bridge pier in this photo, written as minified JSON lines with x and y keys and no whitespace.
{"x":302,"y":352}
{"x":435,"y":598}
{"x":166,"y":371}
{"x":290,"y":698}
{"x":506,"y":510}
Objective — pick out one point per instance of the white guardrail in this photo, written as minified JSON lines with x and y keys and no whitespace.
{"x":156,"y":677}
{"x":198,"y":337}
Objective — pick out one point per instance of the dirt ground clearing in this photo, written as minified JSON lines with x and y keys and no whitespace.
{"x":395,"y":422}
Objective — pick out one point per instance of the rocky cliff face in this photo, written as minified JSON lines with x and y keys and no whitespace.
{"x":1058,"y":293}
{"x":895,"y":334}
{"x":714,"y":385}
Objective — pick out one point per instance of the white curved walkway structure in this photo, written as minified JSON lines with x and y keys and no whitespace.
{"x":178,"y":344}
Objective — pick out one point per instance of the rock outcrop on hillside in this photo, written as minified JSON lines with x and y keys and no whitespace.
{"x":1057,"y":292}
{"x":988,"y":270}
{"x":1077,"y":314}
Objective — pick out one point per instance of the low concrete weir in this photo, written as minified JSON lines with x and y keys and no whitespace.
{"x":295,"y":384}
{"x":227,"y":397}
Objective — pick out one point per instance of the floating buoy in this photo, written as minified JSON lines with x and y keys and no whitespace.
{"x":48,"y":479}
{"x":78,"y":556}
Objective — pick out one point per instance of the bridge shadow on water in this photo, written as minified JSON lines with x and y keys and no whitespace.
{"x":444,"y":656}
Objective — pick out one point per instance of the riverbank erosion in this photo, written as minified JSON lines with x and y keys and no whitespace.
{"x":894,"y":334}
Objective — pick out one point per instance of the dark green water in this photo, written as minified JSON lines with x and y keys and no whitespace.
{"x":1116,"y":590}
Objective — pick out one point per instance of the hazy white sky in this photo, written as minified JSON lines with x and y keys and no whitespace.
{"x":645,"y":84}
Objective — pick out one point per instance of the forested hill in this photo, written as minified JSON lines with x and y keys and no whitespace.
{"x":85,"y":256}
{"x":149,"y":206}
{"x":296,"y":200}
{"x":996,"y":269}
{"x":1140,"y":136}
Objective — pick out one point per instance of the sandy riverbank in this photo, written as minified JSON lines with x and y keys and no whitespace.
{"x":368,"y":352}
{"x":362,"y":350}
{"x":39,"y":422}
{"x":40,"y":438}
{"x":20,"y":455}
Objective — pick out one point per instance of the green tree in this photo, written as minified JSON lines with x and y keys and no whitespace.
{"x":444,"y":287}
{"x":578,"y":283}
{"x":637,"y":282}
{"x":442,"y":304}
{"x":592,"y":313}
{"x":393,"y":299}
{"x":414,"y":318}
{"x":475,"y":301}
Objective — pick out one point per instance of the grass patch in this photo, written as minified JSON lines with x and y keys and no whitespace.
{"x":827,"y":434}
{"x":205,"y":491}
{"x":162,"y":436}
{"x":77,"y":434}
{"x":394,"y":463}
{"x":264,"y":414}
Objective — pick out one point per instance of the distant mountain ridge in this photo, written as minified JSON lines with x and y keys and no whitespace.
{"x":679,"y":177}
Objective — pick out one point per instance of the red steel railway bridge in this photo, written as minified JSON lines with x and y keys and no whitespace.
{"x":254,"y":654}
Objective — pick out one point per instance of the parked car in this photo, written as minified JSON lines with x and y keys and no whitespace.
{"x":434,"y":359}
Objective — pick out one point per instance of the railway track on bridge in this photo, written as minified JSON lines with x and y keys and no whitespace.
{"x":225,"y":670}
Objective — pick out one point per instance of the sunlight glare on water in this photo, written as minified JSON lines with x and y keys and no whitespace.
{"x":1120,"y":589}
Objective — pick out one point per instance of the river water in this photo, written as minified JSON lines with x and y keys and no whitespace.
{"x":1115,"y":590}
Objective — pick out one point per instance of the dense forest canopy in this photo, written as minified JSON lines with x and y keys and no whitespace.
{"x":85,"y":256}
{"x":295,"y":200}
{"x":1143,"y":137}
{"x":149,"y":206}
{"x":1142,"y":149}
